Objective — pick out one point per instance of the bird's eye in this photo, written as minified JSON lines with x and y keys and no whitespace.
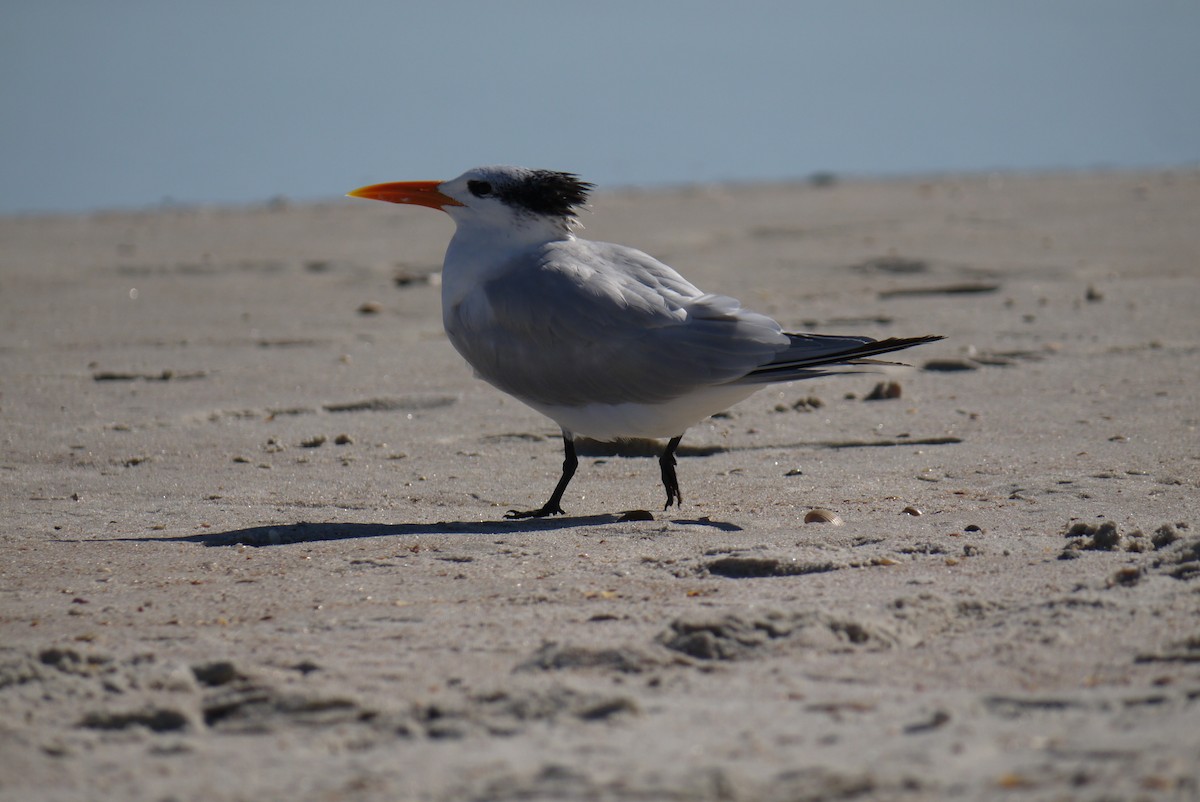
{"x":480,"y":189}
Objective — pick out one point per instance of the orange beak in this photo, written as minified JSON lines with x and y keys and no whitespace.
{"x":418,"y":193}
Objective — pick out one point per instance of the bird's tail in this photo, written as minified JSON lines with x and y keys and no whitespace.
{"x":811,"y":355}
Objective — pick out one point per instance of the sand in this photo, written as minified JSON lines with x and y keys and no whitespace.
{"x":254,"y":547}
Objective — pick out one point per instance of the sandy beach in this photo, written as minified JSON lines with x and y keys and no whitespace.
{"x":254,"y":548}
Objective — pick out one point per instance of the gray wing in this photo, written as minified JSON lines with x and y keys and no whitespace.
{"x":554,"y":329}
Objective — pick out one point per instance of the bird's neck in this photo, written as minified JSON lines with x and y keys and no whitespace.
{"x":478,"y":253}
{"x":506,"y":231}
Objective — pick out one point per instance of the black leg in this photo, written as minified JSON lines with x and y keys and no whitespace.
{"x":669,"y":480}
{"x":551,"y":507}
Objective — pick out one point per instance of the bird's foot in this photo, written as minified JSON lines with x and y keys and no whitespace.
{"x":670,"y":481}
{"x":671,"y":485}
{"x":673,"y":497}
{"x":545,"y":512}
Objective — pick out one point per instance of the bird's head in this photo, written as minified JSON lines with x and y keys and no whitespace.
{"x":494,"y":197}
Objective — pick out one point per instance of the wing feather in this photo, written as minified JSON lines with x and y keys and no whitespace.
{"x":553,"y":329}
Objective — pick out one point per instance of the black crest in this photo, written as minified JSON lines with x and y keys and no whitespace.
{"x":545,"y":192}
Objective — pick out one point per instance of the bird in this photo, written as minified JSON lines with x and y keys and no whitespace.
{"x":605,"y":340}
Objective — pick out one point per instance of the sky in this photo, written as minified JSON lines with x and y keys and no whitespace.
{"x":140,"y":103}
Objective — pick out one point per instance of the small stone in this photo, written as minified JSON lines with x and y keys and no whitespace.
{"x":911,"y":511}
{"x":408,"y":278}
{"x":370,"y":308}
{"x":950,"y":365}
{"x":218,"y":672}
{"x":808,"y":404}
{"x":884,"y":391}
{"x":343,"y":440}
{"x":1126,"y":576}
{"x":313,"y":442}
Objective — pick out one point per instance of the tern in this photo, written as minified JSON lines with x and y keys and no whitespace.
{"x":605,"y":340}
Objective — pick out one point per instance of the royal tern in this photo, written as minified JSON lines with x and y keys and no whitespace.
{"x":603,"y":339}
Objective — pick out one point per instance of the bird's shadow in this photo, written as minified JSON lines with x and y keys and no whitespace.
{"x":306,"y":532}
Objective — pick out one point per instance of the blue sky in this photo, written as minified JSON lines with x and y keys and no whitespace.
{"x":134,"y":103}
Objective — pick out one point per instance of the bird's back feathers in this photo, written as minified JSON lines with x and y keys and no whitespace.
{"x":552,"y":328}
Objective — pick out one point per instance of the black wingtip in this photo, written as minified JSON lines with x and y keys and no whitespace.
{"x":857,"y":355}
